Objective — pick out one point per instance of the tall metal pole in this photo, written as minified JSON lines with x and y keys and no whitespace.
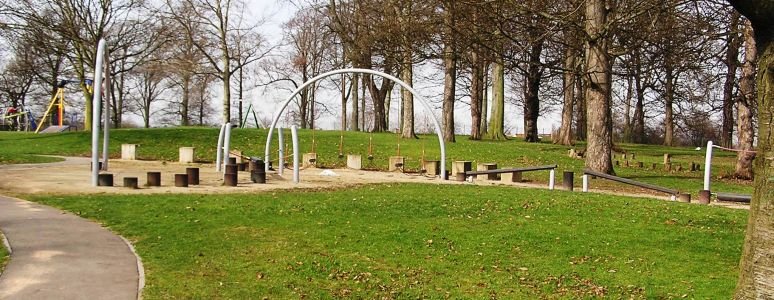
{"x":219,"y":151}
{"x":281,"y":158}
{"x":708,"y":166}
{"x":106,"y":129}
{"x":294,"y":134}
{"x":96,"y":100}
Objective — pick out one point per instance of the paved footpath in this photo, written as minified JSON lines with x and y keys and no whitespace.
{"x":58,"y":255}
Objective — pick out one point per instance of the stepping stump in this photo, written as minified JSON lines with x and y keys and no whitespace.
{"x":130,"y":182}
{"x":181,"y":180}
{"x":129,"y":151}
{"x":187,"y":154}
{"x":105,"y":179}
{"x":193,"y":175}
{"x":511,"y":177}
{"x":431,"y":167}
{"x":354,"y":162}
{"x":154,"y":179}
{"x":396,"y":163}
{"x":309,"y":160}
{"x":486,"y":167}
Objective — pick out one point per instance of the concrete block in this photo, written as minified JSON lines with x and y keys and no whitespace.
{"x":432,"y":167}
{"x":396,"y":163}
{"x":187,"y":154}
{"x":461,"y":166}
{"x":309,"y":160}
{"x":238,"y":155}
{"x":511,"y":177}
{"x":129,"y":151}
{"x":354,"y":162}
{"x":486,"y":167}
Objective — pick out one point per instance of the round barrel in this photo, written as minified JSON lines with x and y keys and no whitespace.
{"x":193,"y":175}
{"x":154,"y":179}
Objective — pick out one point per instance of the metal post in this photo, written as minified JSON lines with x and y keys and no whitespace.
{"x":227,"y":142}
{"x":708,"y":166}
{"x":585,"y":183}
{"x":294,"y":135}
{"x":551,"y":175}
{"x":281,"y":157}
{"x":106,"y":128}
{"x":96,"y":100}
{"x":219,"y":150}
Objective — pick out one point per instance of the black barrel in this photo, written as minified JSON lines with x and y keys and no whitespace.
{"x":258,"y":176}
{"x":193,"y":175}
{"x":231,"y":169}
{"x":231,"y":161}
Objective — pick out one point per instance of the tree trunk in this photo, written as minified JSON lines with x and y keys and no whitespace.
{"x":627,"y":131}
{"x":184,"y":121}
{"x":581,"y":125}
{"x":638,"y":128}
{"x":744,"y":106}
{"x":343,"y":102}
{"x":669,"y":93}
{"x":226,"y":90}
{"x":449,"y":92}
{"x":756,"y":276}
{"x":355,"y":123}
{"x":378,"y":96}
{"x":565,"y":131}
{"x":496,"y":127}
{"x":598,"y":92}
{"x":531,"y":94}
{"x":476,"y":96}
{"x":731,"y":61}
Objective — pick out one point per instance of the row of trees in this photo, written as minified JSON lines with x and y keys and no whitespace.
{"x":637,"y":64}
{"x":172,"y":50}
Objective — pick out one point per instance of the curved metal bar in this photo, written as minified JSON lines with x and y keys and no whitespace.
{"x":219,"y":151}
{"x":421,"y":99}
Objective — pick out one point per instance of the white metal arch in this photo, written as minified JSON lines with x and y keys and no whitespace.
{"x":358,"y":71}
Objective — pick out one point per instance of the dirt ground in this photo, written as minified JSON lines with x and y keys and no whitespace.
{"x":73,"y":176}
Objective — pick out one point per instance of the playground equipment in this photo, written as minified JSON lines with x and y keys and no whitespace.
{"x":100,"y":69}
{"x":57,"y":102}
{"x":224,"y":145}
{"x":705,"y":194}
{"x":298,"y":90}
{"x":17,"y":119}
{"x":516,"y":172}
{"x":674,"y":193}
{"x":250,"y":111}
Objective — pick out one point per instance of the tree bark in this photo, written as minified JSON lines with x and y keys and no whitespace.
{"x":531,"y":93}
{"x":343,"y":102}
{"x":496,"y":126}
{"x":407,"y":98}
{"x":669,"y":93}
{"x":638,"y":128}
{"x":580,"y":122}
{"x":627,"y":131}
{"x":756,"y":276}
{"x":744,"y":105}
{"x":598,"y":92}
{"x":476,"y":95}
{"x":449,"y":71}
{"x":355,"y":123}
{"x":449,"y":92}
{"x":731,"y":61}
{"x":565,"y":131}
{"x":186,"y":98}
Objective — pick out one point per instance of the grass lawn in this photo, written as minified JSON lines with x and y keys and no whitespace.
{"x":163,"y":144}
{"x":423,"y":241}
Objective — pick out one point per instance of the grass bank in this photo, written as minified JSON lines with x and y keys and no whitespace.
{"x":423,"y":241}
{"x":163,"y":144}
{"x":3,"y":254}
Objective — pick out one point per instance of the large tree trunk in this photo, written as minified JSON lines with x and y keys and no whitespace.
{"x":476,"y":95}
{"x":484,"y":99}
{"x":497,"y":119}
{"x":343,"y":102}
{"x":184,"y":121}
{"x":638,"y":127}
{"x":731,"y":61}
{"x":449,"y":92}
{"x":627,"y":131}
{"x":531,"y":93}
{"x":407,"y":98}
{"x":756,"y":276}
{"x":226,"y":90}
{"x":598,"y":92}
{"x":378,"y":95}
{"x":450,"y":72}
{"x":580,"y":102}
{"x":669,"y":93}
{"x":355,"y":122}
{"x":565,"y":130}
{"x":744,"y":106}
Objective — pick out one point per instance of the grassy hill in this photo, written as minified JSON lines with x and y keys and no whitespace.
{"x":163,"y":144}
